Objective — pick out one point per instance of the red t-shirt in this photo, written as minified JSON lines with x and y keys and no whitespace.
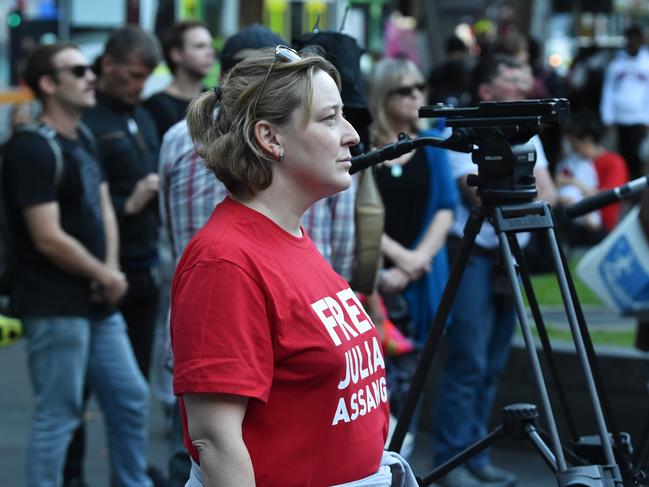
{"x":259,"y":313}
{"x":611,"y":172}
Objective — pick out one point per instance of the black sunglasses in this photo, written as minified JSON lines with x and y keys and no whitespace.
{"x":408,"y":90}
{"x":281,"y":52}
{"x":77,"y":70}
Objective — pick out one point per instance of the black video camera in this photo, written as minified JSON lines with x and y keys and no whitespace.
{"x":498,"y":136}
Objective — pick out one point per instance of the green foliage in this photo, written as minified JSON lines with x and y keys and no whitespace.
{"x":611,"y":337}
{"x":546,"y":289}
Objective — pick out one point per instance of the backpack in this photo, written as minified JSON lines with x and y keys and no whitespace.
{"x":7,"y":257}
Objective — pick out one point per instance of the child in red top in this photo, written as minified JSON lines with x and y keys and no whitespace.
{"x":585,"y":132}
{"x":279,"y":368}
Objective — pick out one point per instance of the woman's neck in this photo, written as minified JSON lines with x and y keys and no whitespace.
{"x":398,"y":128}
{"x":184,"y":87}
{"x":279,"y":210}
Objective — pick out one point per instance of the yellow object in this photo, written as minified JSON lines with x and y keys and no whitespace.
{"x":11,"y":330}
{"x":313,"y":10}
{"x":15,"y":95}
{"x":276,"y":15}
{"x":190,"y":9}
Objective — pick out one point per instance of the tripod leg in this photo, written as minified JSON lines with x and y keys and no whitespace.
{"x":464,"y":455}
{"x":542,"y":448}
{"x":579,"y":344}
{"x":432,"y":341}
{"x":628,"y":463}
{"x":531,"y":349}
{"x":545,"y":339}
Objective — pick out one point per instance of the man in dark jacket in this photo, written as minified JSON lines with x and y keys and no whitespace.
{"x":128,"y":148}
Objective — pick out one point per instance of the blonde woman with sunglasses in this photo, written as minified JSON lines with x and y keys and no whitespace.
{"x":278,"y":367}
{"x":418,"y":193}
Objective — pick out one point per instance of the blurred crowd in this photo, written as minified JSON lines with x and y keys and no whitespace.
{"x":96,"y":245}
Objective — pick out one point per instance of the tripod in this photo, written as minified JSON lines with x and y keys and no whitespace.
{"x":495,"y":133}
{"x":520,"y":420}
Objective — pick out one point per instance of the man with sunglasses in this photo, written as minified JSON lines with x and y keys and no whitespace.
{"x":67,"y":279}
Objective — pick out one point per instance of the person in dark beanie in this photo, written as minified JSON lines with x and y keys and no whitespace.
{"x":128,"y":146}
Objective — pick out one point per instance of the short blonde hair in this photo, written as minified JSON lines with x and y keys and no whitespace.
{"x":228,"y":142}
{"x":386,"y":76}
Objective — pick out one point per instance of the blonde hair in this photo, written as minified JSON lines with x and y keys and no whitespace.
{"x":228,"y":142}
{"x":386,"y":76}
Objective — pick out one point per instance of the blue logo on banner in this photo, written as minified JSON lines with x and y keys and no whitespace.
{"x":624,"y":277}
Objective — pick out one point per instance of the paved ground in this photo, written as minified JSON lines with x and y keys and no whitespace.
{"x":15,"y":407}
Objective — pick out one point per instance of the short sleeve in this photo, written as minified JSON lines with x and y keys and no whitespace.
{"x":31,"y":167}
{"x":541,"y":159}
{"x":220,"y":331}
{"x":461,"y":164}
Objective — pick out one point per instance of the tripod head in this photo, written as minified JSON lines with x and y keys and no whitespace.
{"x":496,"y":134}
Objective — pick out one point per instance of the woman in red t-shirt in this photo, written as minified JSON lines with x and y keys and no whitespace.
{"x":279,"y":369}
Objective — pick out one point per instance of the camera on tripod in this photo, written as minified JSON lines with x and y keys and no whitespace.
{"x":498,"y":134}
{"x":501,"y":132}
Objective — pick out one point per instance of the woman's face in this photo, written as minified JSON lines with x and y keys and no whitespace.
{"x":404,"y":100}
{"x":316,"y":152}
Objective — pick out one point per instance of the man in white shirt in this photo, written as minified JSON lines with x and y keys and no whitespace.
{"x":625,"y":98}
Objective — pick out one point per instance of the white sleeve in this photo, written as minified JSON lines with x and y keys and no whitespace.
{"x":606,"y":110}
{"x":461,"y":164}
{"x":541,"y":159}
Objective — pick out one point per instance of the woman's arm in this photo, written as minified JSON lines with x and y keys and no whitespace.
{"x":413,"y":264}
{"x":436,"y":233}
{"x":214,"y":423}
{"x":418,"y":261}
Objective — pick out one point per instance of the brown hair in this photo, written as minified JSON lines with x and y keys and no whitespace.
{"x":228,"y":142}
{"x":125,"y":41}
{"x":175,"y":39}
{"x":40,"y":62}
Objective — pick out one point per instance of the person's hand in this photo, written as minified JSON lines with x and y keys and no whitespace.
{"x":563,"y":179}
{"x":393,"y":280}
{"x":145,"y":190}
{"x":110,"y":287}
{"x":414,"y":263}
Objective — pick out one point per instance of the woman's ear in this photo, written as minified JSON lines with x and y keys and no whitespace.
{"x":268,"y":140}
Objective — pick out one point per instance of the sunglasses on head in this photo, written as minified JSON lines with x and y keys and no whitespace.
{"x":281,"y":52}
{"x":77,"y":70}
{"x":408,"y":90}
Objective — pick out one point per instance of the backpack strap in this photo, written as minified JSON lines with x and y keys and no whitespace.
{"x":49,"y":134}
{"x":89,"y":138}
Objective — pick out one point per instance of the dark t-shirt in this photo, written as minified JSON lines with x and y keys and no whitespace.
{"x":166,"y":110}
{"x":405,"y":192}
{"x":39,"y":287}
{"x":128,"y":150}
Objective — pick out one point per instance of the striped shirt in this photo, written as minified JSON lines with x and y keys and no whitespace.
{"x":188,"y":190}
